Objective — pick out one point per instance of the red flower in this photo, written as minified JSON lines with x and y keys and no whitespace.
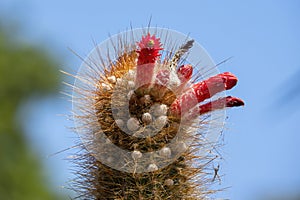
{"x":150,"y":42}
{"x":200,"y":91}
{"x":149,"y":48}
{"x":187,"y":102}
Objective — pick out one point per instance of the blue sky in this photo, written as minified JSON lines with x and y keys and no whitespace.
{"x":262,"y":139}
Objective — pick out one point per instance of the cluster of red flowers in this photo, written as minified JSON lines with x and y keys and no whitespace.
{"x":148,"y":54}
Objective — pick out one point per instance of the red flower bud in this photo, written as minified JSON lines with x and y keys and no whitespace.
{"x":184,"y":73}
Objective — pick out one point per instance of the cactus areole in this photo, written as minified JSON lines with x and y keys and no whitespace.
{"x":149,"y":107}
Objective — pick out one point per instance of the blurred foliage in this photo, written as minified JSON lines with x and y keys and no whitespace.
{"x":25,"y":70}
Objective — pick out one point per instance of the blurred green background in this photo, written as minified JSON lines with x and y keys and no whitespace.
{"x":26,"y":71}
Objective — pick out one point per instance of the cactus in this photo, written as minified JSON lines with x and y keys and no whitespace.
{"x":142,"y":117}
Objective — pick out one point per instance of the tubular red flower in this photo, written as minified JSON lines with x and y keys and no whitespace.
{"x":220,"y":104}
{"x":149,"y":49}
{"x":212,"y":106}
{"x":147,"y":56}
{"x":184,"y":73}
{"x":201,"y":91}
